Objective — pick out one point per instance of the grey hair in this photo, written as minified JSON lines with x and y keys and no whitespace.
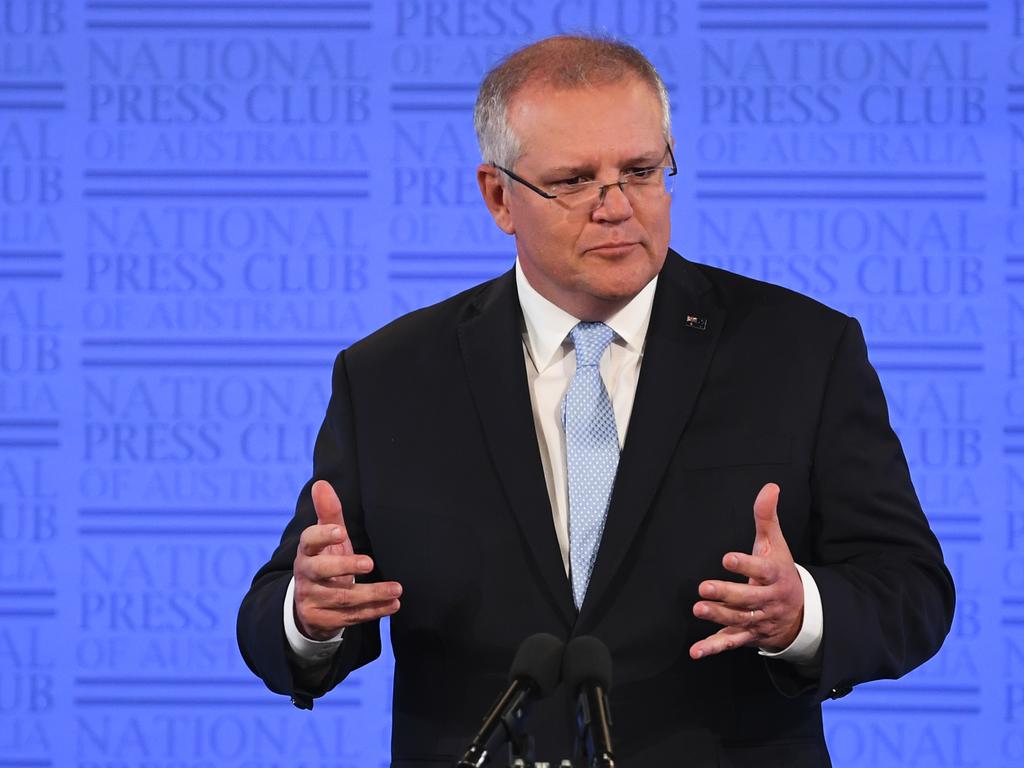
{"x":563,"y":61}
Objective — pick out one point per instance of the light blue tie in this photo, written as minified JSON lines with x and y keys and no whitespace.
{"x":592,"y":452}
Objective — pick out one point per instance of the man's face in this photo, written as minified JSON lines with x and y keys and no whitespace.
{"x":589,"y":261}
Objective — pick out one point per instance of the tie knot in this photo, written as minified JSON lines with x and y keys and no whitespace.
{"x":590,"y":340}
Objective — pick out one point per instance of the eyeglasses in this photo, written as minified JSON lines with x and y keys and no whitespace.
{"x":639,"y":185}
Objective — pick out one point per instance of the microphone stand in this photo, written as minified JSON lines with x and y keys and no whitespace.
{"x":520,"y":746}
{"x":520,"y":742}
{"x":593,"y":721}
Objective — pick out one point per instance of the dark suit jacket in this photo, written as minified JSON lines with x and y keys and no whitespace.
{"x":429,"y":442}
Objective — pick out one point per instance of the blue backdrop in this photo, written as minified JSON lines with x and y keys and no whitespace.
{"x":201,"y":202}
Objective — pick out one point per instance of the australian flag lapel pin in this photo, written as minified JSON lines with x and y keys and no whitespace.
{"x":695,"y":321}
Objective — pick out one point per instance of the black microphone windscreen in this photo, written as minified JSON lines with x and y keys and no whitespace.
{"x":539,"y":659}
{"x":587,"y":660}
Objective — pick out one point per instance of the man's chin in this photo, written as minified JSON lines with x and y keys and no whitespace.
{"x":623,"y":280}
{"x":620,"y":292}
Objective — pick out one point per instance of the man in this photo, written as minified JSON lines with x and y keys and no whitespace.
{"x":606,"y":440}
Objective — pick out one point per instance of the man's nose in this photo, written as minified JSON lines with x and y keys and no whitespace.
{"x":613,"y":204}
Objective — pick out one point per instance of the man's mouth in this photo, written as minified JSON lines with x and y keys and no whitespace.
{"x":612,"y":248}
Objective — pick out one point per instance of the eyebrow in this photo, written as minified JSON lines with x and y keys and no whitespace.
{"x":646,"y":158}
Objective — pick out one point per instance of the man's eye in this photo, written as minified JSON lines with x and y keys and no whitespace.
{"x":572,"y":182}
{"x":642,"y":173}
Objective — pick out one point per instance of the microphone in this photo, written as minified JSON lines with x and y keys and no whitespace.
{"x":587,"y":671}
{"x":534,"y":673}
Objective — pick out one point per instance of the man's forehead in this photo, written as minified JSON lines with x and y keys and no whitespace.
{"x":547,"y":122}
{"x":537,"y":90}
{"x":574,"y":158}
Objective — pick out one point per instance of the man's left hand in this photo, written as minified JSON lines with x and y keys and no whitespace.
{"x":766,"y":612}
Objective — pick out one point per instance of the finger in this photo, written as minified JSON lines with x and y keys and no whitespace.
{"x":723,"y":640}
{"x":745,"y":618}
{"x":372,"y":611}
{"x":358,"y":595}
{"x":742,"y":597}
{"x":760,"y":569}
{"x":327,"y":504}
{"x":328,"y":620}
{"x":336,"y":597}
{"x":325,"y":567}
{"x":766,"y":518}
{"x":316,"y":538}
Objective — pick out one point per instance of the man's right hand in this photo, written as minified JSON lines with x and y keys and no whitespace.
{"x":327,"y":597}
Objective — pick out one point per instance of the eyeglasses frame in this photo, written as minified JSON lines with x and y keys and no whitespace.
{"x":602,"y":189}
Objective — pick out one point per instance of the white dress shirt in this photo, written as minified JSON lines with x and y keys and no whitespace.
{"x":550,"y":367}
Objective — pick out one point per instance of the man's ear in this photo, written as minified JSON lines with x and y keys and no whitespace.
{"x":494,"y":194}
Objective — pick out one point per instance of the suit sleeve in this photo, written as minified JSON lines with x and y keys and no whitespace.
{"x":886,"y":594}
{"x":260,"y":630}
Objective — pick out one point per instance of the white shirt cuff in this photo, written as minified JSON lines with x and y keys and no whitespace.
{"x":307,"y":652}
{"x":804,"y":647}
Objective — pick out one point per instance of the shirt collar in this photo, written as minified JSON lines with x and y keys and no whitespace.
{"x":547,"y":325}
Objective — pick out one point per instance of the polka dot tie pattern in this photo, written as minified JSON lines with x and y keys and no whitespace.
{"x":592,"y":452}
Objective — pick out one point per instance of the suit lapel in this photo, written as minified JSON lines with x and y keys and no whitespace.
{"x":490,"y":339}
{"x":677,"y":354}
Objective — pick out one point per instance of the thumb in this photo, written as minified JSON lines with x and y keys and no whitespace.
{"x":327,"y":504}
{"x":766,"y":519}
